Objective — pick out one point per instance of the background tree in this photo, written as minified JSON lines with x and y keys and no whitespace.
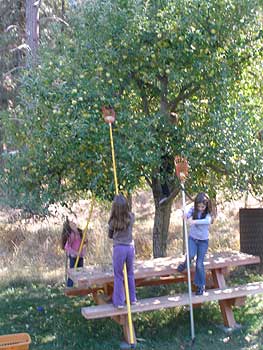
{"x":19,"y":18}
{"x":183,"y":78}
{"x":32,"y":30}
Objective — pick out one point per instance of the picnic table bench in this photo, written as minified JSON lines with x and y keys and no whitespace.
{"x":98,"y":281}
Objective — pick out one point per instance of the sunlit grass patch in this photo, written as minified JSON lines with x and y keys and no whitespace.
{"x":32,"y":292}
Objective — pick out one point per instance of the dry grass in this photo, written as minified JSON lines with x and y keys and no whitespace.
{"x":33,"y":247}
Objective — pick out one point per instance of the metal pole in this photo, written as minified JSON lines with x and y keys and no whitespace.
{"x":188,"y":266}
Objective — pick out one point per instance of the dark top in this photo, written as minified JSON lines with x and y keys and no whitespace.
{"x":122,"y":236}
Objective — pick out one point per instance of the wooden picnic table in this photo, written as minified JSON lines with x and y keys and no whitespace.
{"x":99,"y":275}
{"x":98,"y":281}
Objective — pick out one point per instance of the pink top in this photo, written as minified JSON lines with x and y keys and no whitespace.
{"x":72,"y":245}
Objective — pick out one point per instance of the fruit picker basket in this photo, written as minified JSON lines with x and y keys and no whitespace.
{"x":17,"y":341}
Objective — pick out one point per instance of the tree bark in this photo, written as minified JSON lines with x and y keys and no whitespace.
{"x":129,"y":199}
{"x":32,"y":30}
{"x":63,"y":12}
{"x":161,"y":221}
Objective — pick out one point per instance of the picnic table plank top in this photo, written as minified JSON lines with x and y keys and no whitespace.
{"x":167,"y":301}
{"x":95,"y":274}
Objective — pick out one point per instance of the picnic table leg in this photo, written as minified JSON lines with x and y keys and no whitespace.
{"x":225,"y":305}
{"x":100,"y":299}
{"x":120,"y":319}
{"x":103,"y":298}
{"x":126,"y":331}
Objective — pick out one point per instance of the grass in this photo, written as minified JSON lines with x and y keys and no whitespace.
{"x":32,"y":299}
{"x":55,"y":322}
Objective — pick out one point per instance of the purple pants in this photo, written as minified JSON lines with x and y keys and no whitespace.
{"x":121,"y":254}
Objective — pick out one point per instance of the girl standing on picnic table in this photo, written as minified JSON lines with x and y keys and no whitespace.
{"x":71,"y":241}
{"x":120,"y":230}
{"x":199,"y":217}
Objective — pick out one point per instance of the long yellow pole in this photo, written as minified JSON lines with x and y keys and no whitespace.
{"x":85,"y":230}
{"x":124,"y":268}
{"x":113,"y":161}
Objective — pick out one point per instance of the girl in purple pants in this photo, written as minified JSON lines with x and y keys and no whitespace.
{"x":120,"y":230}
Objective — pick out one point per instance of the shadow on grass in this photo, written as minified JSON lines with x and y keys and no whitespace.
{"x":55,"y":322}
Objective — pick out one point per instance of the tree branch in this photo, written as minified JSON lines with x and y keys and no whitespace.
{"x":7,"y":48}
{"x":217,"y":169}
{"x":13,"y":69}
{"x":148,"y":181}
{"x":12,"y":26}
{"x":174,"y":193}
{"x":145,"y":101}
{"x":185,"y":92}
{"x":164,"y":105}
{"x":21,"y":47}
{"x":188,"y":196}
{"x":45,"y":20}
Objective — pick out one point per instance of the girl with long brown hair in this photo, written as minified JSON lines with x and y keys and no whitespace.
{"x":120,"y":230}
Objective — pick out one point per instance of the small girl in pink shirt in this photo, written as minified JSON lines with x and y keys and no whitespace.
{"x":71,"y":240}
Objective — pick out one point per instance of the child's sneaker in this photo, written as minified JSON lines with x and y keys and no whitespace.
{"x":119,"y":307}
{"x":200,"y":291}
{"x":181,"y":267}
{"x":134,"y":302}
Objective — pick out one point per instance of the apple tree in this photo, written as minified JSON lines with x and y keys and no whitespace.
{"x":183,"y":78}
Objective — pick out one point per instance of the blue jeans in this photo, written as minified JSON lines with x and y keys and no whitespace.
{"x":123,"y":254}
{"x":72,"y":261}
{"x":199,"y":249}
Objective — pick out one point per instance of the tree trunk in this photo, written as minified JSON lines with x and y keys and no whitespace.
{"x":21,"y":25}
{"x":129,"y":199}
{"x":63,"y":11}
{"x":161,"y":221}
{"x":32,"y":30}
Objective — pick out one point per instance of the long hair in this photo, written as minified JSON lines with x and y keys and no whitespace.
{"x":204,"y":199}
{"x":66,"y":230}
{"x":80,"y":231}
{"x":120,"y":213}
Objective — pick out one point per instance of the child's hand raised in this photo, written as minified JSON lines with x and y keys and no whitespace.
{"x":191,"y":221}
{"x":183,"y":214}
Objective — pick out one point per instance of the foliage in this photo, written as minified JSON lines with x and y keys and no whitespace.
{"x":13,"y":48}
{"x":183,"y":78}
